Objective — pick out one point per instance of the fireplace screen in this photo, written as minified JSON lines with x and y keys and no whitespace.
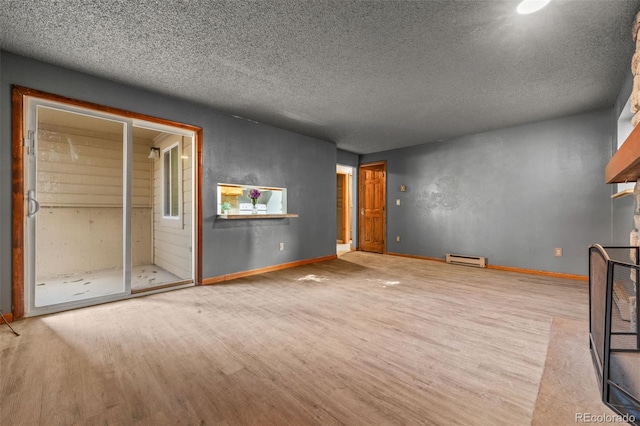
{"x":613,"y":327}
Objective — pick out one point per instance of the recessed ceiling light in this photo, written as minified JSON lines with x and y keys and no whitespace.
{"x":530,"y":6}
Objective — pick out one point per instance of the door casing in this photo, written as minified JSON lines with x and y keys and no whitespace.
{"x":344,"y":233}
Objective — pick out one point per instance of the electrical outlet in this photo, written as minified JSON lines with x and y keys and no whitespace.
{"x":281,"y":246}
{"x":557,"y":252}
{"x":397,"y":238}
{"x":397,"y":201}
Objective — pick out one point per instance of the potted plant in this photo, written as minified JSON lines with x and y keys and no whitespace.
{"x":254,"y":194}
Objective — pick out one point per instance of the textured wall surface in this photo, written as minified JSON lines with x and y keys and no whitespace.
{"x":234,"y":151}
{"x":511,"y":195}
{"x":243,"y":152}
{"x":347,"y":158}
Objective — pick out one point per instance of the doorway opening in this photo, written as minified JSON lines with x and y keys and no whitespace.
{"x":344,"y":209}
{"x":109,"y":205}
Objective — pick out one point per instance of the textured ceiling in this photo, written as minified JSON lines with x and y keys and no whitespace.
{"x":367,"y":75}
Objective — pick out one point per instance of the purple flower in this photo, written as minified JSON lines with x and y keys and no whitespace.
{"x":254,"y":194}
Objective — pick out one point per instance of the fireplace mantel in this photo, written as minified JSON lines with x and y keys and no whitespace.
{"x":624,"y":166}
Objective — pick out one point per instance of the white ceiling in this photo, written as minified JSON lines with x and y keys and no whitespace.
{"x":367,"y":75}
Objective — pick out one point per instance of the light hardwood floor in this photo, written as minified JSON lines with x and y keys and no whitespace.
{"x":364,"y":339}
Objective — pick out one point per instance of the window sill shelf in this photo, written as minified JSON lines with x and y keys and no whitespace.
{"x":255,"y":216}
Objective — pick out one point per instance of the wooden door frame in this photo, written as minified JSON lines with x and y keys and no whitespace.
{"x":361,"y":202}
{"x":18,"y":95}
{"x":346,"y":210}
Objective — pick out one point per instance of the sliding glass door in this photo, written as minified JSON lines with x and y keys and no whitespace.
{"x":110,"y":205}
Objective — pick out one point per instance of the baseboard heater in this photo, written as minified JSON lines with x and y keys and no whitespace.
{"x":458,"y":259}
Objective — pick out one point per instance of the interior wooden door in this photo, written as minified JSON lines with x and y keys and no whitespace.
{"x":372,"y":190}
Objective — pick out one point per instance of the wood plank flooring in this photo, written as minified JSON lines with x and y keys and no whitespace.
{"x":565,"y":391}
{"x":360,"y":340}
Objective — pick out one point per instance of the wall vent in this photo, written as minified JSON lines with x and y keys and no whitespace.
{"x":458,"y":259}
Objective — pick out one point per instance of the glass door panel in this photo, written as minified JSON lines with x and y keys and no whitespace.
{"x":76,"y":204}
{"x":162,"y":226}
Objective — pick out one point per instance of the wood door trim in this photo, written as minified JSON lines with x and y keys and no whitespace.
{"x":18,"y":93}
{"x":361,"y":202}
{"x":344,"y":233}
{"x":198,"y":203}
{"x":17,"y":178}
{"x":346,"y":211}
{"x":25,"y":91}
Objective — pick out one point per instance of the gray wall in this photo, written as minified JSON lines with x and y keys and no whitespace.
{"x":234,"y":151}
{"x":511,"y":195}
{"x":239,"y":151}
{"x":347,"y":158}
{"x":621,"y":208}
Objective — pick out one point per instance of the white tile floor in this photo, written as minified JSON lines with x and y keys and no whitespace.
{"x":101,"y":283}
